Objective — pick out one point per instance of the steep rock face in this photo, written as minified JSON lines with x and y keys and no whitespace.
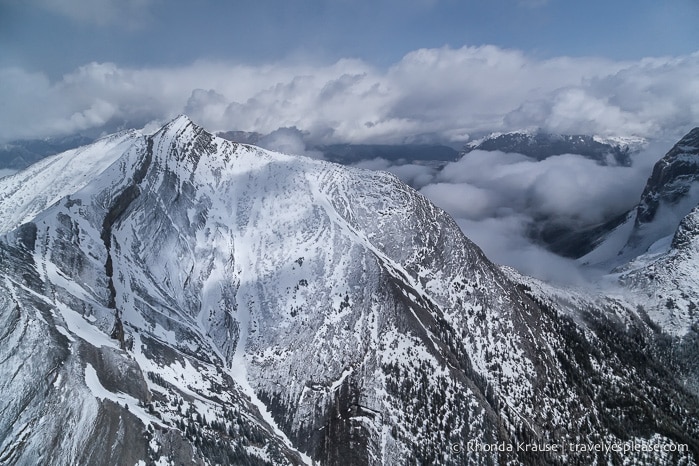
{"x":214,"y":303}
{"x":672,"y":177}
{"x":670,"y":193}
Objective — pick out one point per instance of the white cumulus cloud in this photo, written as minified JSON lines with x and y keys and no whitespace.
{"x":445,"y":93}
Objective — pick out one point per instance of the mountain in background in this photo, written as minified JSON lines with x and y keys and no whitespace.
{"x":177,"y":297}
{"x":540,"y":145}
{"x":535,"y":144}
{"x":353,"y":153}
{"x":348,"y":154}
{"x":20,"y":154}
{"x":242,"y":137}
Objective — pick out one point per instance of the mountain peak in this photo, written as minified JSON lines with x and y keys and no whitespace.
{"x":179,"y":127}
{"x":182,"y":139}
{"x":180,"y":120}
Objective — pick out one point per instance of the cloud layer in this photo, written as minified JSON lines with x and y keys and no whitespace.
{"x":440,"y":94}
{"x":496,"y":198}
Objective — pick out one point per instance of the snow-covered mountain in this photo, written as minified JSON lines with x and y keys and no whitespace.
{"x":671,"y":192}
{"x":540,"y":145}
{"x":668,"y":282}
{"x":177,"y":297}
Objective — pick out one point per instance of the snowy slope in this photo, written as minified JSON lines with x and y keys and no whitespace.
{"x":208,"y":302}
{"x":30,"y":191}
{"x":667,"y":279}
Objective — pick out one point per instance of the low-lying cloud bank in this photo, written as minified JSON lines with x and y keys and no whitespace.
{"x":496,"y":198}
{"x":440,"y":95}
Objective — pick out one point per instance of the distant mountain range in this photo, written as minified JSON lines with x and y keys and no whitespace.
{"x":177,"y":298}
{"x":541,"y":145}
{"x":536,"y":144}
{"x":21,"y":154}
{"x":352,"y":153}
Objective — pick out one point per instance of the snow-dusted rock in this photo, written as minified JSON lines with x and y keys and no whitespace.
{"x":205,"y":302}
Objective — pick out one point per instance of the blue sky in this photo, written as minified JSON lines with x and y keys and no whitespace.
{"x":440,"y":70}
{"x":56,"y":36}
